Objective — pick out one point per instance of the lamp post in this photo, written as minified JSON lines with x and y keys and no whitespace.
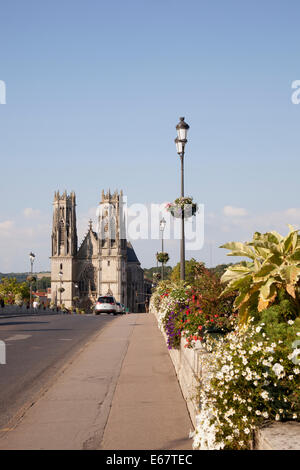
{"x":180,"y":141}
{"x":162,"y":225}
{"x":76,"y":290}
{"x":60,"y":288}
{"x":32,"y":258}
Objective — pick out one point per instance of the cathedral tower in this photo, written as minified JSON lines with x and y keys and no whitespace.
{"x":64,"y":248}
{"x":112,"y":246}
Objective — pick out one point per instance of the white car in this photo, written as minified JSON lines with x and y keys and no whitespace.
{"x":120,"y":308}
{"x":106,"y":304}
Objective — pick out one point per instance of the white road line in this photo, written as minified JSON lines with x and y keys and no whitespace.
{"x":17,"y":337}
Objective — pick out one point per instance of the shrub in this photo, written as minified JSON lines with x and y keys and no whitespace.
{"x":275,"y":267}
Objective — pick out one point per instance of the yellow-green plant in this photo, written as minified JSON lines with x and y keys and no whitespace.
{"x":274,"y":267}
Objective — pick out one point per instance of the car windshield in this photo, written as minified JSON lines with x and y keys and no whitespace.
{"x":106,"y":300}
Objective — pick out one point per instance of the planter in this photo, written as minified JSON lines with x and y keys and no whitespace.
{"x":162,"y":257}
{"x":182,"y":206}
{"x":189,"y":210}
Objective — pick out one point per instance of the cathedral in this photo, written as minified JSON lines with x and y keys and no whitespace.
{"x":104,"y":264}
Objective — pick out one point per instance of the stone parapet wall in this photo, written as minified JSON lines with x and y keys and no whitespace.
{"x":189,"y":365}
{"x":15,"y":310}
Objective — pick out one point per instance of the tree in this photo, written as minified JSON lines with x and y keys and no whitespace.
{"x":9,"y":287}
{"x":149,"y":272}
{"x":190,"y":270}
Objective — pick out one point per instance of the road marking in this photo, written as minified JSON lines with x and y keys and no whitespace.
{"x":17,"y":337}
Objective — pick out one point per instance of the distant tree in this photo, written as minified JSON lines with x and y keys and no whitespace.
{"x":9,"y":287}
{"x":149,"y":272}
{"x":42,"y":284}
{"x":220,"y":269}
{"x":190,"y":271}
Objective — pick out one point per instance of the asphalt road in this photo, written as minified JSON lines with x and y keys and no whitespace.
{"x":37,"y":347}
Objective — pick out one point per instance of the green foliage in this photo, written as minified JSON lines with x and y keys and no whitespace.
{"x":220,"y":269}
{"x":190,"y":270}
{"x":275,"y":267}
{"x":162,"y":257}
{"x":192,"y":310}
{"x":149,"y":272}
{"x":9,"y":287}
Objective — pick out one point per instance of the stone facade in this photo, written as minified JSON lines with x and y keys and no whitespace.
{"x":105,"y":263}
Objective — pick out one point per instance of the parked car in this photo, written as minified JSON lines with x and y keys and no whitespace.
{"x":120,"y":308}
{"x":123,"y":308}
{"x":106,"y":304}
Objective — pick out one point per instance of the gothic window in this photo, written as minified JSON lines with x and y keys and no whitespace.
{"x":87,"y":281}
{"x":61,"y":233}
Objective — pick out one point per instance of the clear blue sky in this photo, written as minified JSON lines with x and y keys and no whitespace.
{"x":95,"y":89}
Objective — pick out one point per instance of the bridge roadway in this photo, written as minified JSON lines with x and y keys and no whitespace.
{"x":37,"y":347}
{"x":119,"y":391}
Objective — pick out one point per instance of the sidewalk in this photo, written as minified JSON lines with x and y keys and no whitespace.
{"x":119,"y":393}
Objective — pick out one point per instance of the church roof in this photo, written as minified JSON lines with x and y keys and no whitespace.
{"x":131,"y":256}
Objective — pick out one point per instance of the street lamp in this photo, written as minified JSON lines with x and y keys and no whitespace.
{"x":76,"y":296}
{"x":60,"y":288}
{"x":180,"y":141}
{"x":162,"y":225}
{"x":32,"y":258}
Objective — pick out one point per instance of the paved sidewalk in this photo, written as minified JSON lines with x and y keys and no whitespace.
{"x":120,"y":392}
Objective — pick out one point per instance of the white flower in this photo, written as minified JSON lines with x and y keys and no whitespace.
{"x":264,"y":395}
{"x":257,"y":412}
{"x":295,"y":416}
{"x":265,"y":414}
{"x":258,"y":329}
{"x":277,"y":417}
{"x":246,"y":430}
{"x":278,"y":369}
{"x":291,"y":322}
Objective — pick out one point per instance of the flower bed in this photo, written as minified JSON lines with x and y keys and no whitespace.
{"x":251,"y":371}
{"x":253,"y":380}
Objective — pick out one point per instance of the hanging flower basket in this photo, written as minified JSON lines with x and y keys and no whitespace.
{"x":61,"y":289}
{"x":162,"y":257}
{"x":156,"y":277}
{"x":31,"y":278}
{"x":184,"y":204}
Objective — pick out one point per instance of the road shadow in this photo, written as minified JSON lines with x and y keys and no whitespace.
{"x":22,"y":323}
